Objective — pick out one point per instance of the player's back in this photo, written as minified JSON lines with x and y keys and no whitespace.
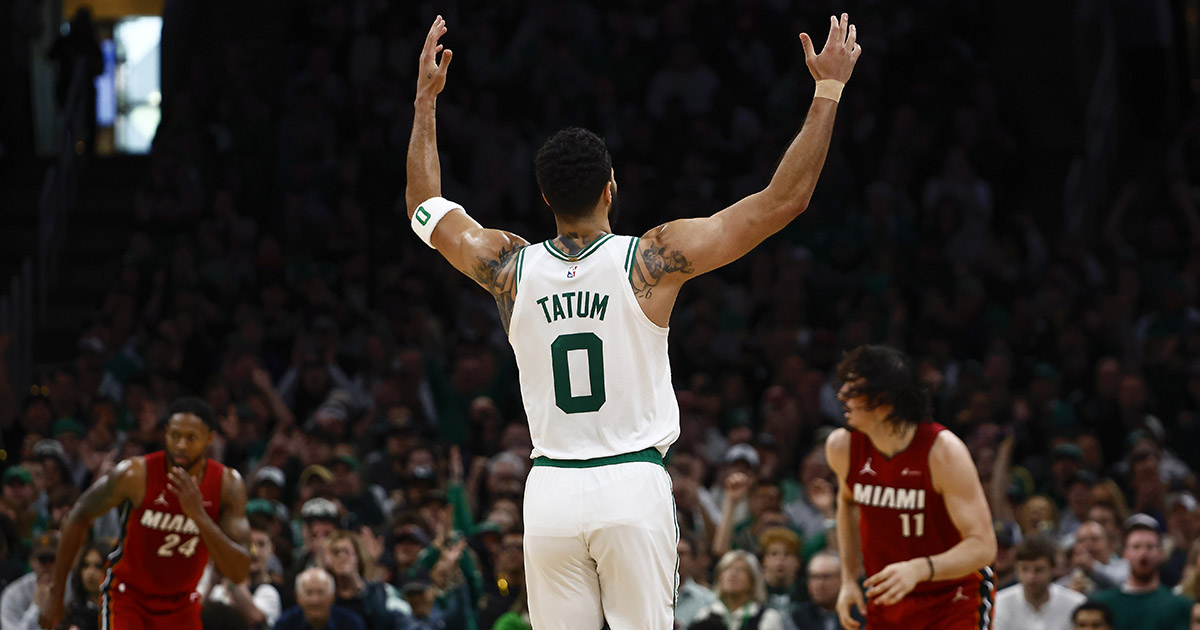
{"x":161,"y":556}
{"x":901,"y":515}
{"x":594,"y":372}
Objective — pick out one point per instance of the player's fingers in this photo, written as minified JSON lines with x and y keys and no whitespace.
{"x":833,"y":30}
{"x":844,"y":617}
{"x":855,"y":52}
{"x":806,"y":42}
{"x":850,"y":39}
{"x":843,"y":28}
{"x":447,"y":56}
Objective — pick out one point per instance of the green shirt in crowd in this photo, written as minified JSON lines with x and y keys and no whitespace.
{"x":1157,"y":610}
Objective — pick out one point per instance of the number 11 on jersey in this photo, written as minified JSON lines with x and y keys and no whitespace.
{"x":907,"y":521}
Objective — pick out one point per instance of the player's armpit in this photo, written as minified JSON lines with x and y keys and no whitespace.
{"x":489,"y":257}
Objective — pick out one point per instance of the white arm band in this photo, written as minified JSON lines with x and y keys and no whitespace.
{"x":428,"y":215}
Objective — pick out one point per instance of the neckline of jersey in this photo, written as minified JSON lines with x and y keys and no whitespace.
{"x":587,"y":251}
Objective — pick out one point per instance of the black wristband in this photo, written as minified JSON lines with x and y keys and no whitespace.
{"x":930,"y":561}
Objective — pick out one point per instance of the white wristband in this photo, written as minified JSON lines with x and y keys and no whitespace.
{"x":427,"y":216}
{"x":830,"y":89}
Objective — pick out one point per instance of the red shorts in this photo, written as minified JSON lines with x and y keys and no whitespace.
{"x":122,"y":610}
{"x":958,"y":608}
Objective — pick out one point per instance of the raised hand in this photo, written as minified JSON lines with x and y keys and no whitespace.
{"x":737,"y":485}
{"x":836,"y":60}
{"x":431,"y":77}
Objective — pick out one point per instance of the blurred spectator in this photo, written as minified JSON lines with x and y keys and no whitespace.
{"x":320,"y":519}
{"x":781,"y":569}
{"x":83,"y":610}
{"x":16,"y":503}
{"x":314,"y":609}
{"x":824,"y":578}
{"x":257,"y":599}
{"x":1008,"y":537}
{"x":349,"y":563}
{"x":692,"y":597}
{"x":1036,"y":602}
{"x":1092,"y":615}
{"x":741,"y":595}
{"x":506,"y":589}
{"x":1189,"y":585}
{"x":1095,"y":564}
{"x":347,"y":485}
{"x":1142,"y":602}
{"x":22,"y":600}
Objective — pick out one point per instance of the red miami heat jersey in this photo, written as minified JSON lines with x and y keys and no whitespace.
{"x":901,"y":516}
{"x":161,"y":555}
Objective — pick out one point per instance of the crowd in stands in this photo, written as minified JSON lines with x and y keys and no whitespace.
{"x":368,"y":395}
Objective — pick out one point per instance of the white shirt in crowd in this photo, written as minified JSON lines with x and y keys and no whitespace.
{"x":1014,"y":612}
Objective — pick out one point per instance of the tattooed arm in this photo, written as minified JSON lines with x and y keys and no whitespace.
{"x":486,"y":256}
{"x":674,"y":252}
{"x":126,"y":482}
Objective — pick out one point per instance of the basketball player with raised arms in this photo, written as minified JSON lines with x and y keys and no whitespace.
{"x":587,"y":313}
{"x":909,"y":503}
{"x":177,"y":508}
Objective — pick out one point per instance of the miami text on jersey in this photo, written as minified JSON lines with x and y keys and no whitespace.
{"x":887,"y":497}
{"x":165,"y":522}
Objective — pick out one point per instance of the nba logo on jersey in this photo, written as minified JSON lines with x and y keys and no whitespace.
{"x":572,"y":271}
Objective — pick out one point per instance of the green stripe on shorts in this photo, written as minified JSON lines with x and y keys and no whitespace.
{"x":646,"y":455}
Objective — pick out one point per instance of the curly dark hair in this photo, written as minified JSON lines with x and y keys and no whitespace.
{"x":889,"y":377}
{"x":572,"y":168}
{"x":195,"y":406}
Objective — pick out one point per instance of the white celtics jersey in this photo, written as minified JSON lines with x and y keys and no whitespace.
{"x":594,"y":372}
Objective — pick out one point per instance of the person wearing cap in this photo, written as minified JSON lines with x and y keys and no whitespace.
{"x":812,"y":510}
{"x":1095,"y":563}
{"x":23,"y":600}
{"x":741,"y":460}
{"x":1008,"y":536}
{"x":1036,"y":602}
{"x":347,"y":485}
{"x":319,"y":519}
{"x":269,"y":482}
{"x":1142,"y":602}
{"x":17,"y":499}
{"x":1181,"y":534}
{"x":406,"y":542}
